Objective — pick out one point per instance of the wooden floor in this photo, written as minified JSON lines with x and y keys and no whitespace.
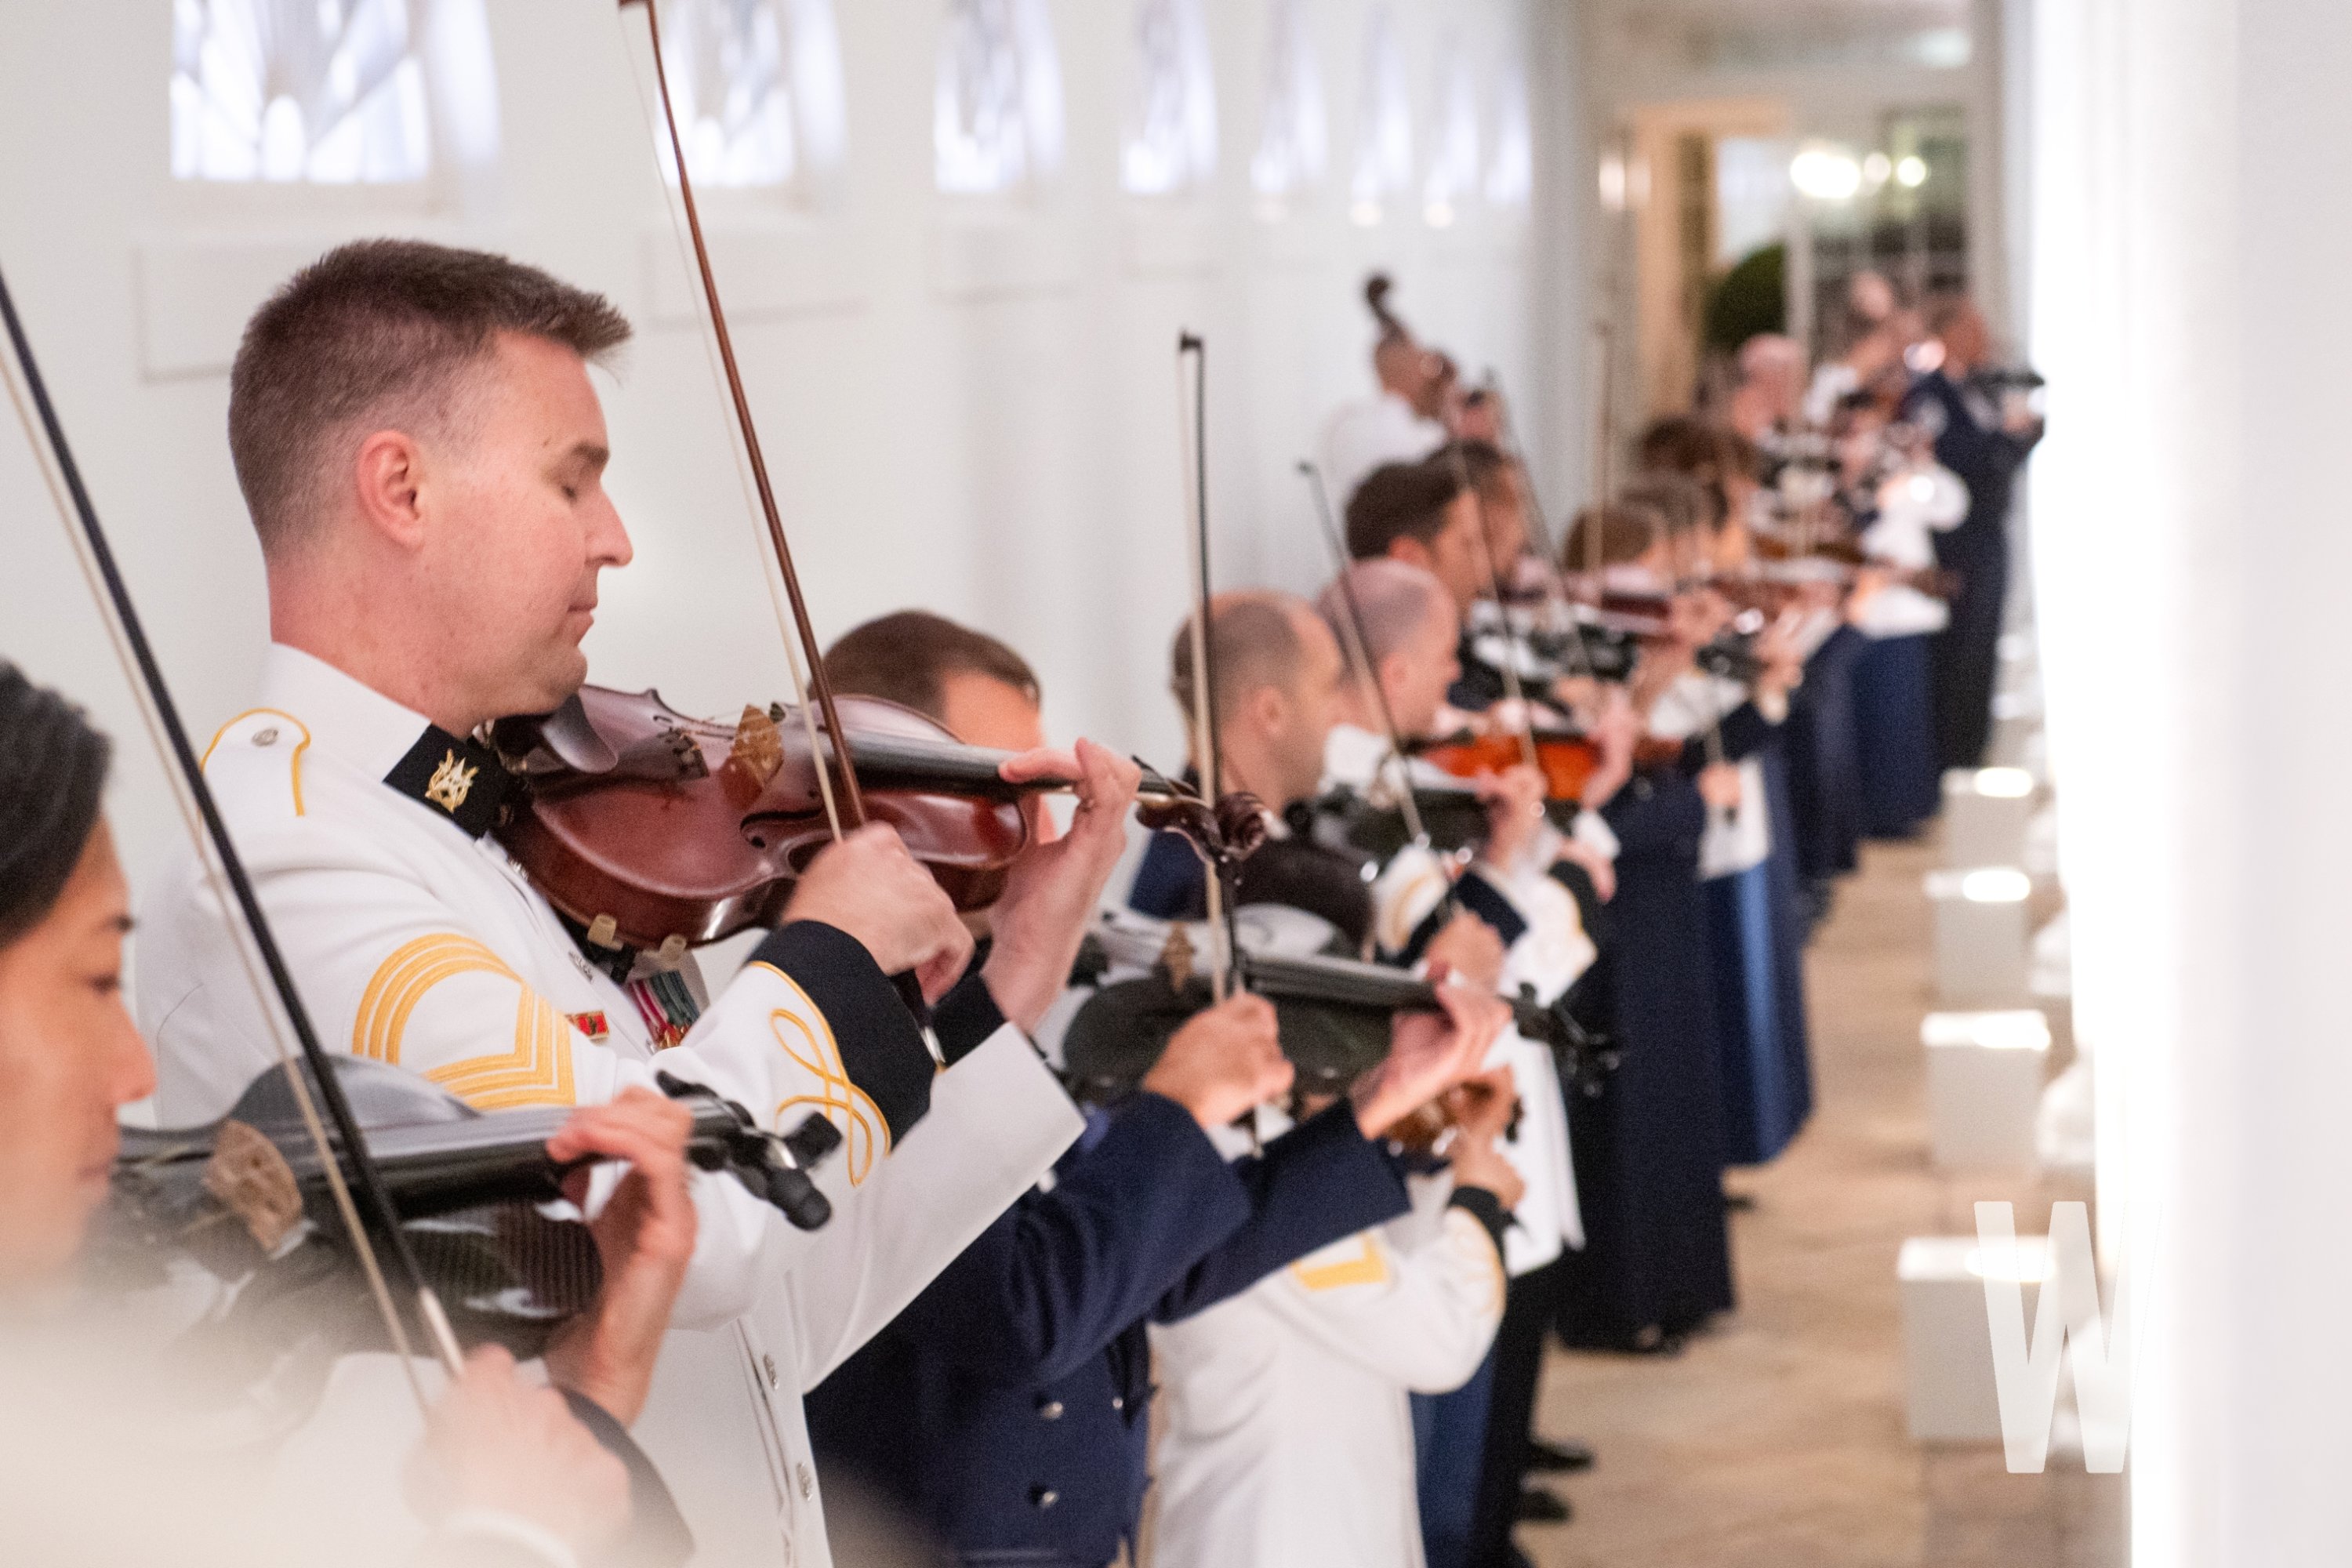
{"x":1776,"y":1440}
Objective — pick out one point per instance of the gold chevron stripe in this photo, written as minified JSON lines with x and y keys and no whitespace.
{"x":538,"y":1072}
{"x":1367,"y":1268}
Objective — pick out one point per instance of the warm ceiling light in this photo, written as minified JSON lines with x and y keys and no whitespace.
{"x":1826,"y":174}
{"x":1911,"y":173}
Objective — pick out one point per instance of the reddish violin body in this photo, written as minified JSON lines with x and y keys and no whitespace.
{"x":658,"y":831}
{"x":1566,"y":760}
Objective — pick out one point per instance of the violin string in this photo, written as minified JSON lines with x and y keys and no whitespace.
{"x":181,"y":791}
{"x":668,"y":155}
{"x":1204,"y":727}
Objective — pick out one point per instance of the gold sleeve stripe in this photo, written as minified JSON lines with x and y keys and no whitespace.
{"x":811,"y":1047}
{"x":1368,"y":1266}
{"x":538,"y":1072}
{"x":300,"y":746}
{"x":401,"y":982}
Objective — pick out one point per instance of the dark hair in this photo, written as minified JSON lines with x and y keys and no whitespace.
{"x":1489,"y":466}
{"x":1626,"y":529}
{"x":908,"y":656}
{"x":1682,"y":504}
{"x":1401,"y":500}
{"x":1703,"y":450}
{"x":52,"y":780}
{"x":1683,"y":444}
{"x":376,"y":330}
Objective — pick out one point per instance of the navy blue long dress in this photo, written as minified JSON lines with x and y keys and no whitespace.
{"x":1649,"y":1148}
{"x":1757,"y":930}
{"x":1824,"y":770}
{"x":1894,"y":727}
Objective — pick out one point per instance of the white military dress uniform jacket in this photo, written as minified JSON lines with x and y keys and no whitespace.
{"x":1289,"y":1435}
{"x":416,"y":943}
{"x":1549,"y":956}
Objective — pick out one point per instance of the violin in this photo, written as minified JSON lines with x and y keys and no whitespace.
{"x":1334,"y":1011}
{"x":246,"y":1195}
{"x":658,"y":831}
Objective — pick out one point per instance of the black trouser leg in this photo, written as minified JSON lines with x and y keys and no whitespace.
{"x":1527,"y":1309}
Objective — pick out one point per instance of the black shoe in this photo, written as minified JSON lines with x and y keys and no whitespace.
{"x":1548,"y":1458}
{"x":1538,"y":1506}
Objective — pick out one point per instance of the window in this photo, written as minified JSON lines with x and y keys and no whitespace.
{"x":328,"y":91}
{"x":1383,"y":123}
{"x":1511,"y":176}
{"x":1292,"y":144}
{"x":758,"y":90}
{"x":1172,"y":137}
{"x":996,"y":125}
{"x":1454,"y":160}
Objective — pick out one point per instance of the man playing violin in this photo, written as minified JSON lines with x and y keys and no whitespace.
{"x":507,"y":1472}
{"x":422,"y":450}
{"x":1026,"y":1356}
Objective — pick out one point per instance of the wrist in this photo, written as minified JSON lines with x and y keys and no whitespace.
{"x":1021,"y":992}
{"x":580,"y":1360}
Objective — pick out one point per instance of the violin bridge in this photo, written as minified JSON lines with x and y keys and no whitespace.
{"x":1176,"y":957}
{"x":758,"y":752}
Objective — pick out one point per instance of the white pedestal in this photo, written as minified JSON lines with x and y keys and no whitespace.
{"x":1985,"y":1073}
{"x":1980,"y":936}
{"x":2016,"y":722}
{"x":1946,"y":1339}
{"x":1986,"y":815}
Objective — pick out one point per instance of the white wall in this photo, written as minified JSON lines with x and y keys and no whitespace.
{"x":2189,"y":237}
{"x":979,"y":417}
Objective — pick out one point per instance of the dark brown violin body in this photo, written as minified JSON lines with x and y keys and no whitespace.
{"x":660,"y":831}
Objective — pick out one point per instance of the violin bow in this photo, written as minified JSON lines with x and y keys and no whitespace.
{"x":847,"y":810}
{"x":344,"y":1159}
{"x":1546,"y":546}
{"x":1224,"y":947}
{"x":1511,"y":646}
{"x":1359,"y":644}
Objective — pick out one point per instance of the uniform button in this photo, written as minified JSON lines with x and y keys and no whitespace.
{"x":1117,"y":1402}
{"x":1044,"y":1496}
{"x":768,"y":1365}
{"x":265,"y":737}
{"x":1049,"y":1410}
{"x":807,"y":1481}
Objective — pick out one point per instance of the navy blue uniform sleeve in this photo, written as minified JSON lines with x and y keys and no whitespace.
{"x":1058,"y":1276}
{"x":1745,"y":732}
{"x":1317,"y":1182}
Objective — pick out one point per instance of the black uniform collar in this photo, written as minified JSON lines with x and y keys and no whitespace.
{"x":459,"y":778}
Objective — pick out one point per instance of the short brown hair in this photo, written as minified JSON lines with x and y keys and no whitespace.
{"x":1401,"y":500}
{"x":375,"y":330}
{"x":1626,"y":531}
{"x":906,"y":657}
